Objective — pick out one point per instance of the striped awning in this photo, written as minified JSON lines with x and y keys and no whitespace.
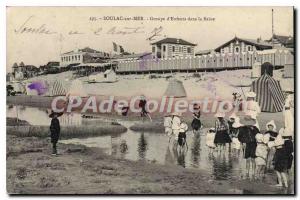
{"x":269,"y":94}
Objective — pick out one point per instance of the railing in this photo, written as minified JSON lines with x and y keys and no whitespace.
{"x":211,"y":61}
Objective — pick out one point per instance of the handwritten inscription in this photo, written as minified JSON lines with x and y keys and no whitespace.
{"x":27,"y":28}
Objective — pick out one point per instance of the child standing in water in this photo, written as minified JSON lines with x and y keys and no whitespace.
{"x":236,"y":144}
{"x":222,"y":136}
{"x":196,"y":123}
{"x":168,"y":125}
{"x":271,"y":132}
{"x":210,"y":137}
{"x":283,"y":157}
{"x":261,"y":154}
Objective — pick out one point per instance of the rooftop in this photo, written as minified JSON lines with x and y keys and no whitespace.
{"x":173,"y":41}
{"x":85,"y":50}
{"x":258,"y":42}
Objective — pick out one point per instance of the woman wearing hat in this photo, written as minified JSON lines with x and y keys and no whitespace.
{"x":55,"y":130}
{"x":222,"y":136}
{"x":288,"y":113}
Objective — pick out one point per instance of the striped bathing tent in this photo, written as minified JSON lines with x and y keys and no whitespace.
{"x":269,"y":94}
{"x":58,"y":88}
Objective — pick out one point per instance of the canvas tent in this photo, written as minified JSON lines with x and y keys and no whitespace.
{"x":58,"y":88}
{"x":175,"y":89}
{"x":269,"y":94}
{"x":107,"y":76}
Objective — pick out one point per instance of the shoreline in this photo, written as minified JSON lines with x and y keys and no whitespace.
{"x":67,"y":132}
{"x":85,"y":170}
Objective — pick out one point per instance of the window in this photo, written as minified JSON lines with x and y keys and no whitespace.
{"x":62,"y":59}
{"x":237,"y":49}
{"x":153,"y":49}
{"x":164,"y":48}
{"x":173,"y":48}
{"x":180,"y":49}
{"x":249,"y":48}
{"x":189,"y":50}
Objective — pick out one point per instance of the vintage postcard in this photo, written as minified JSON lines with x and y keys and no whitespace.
{"x":150,"y":100}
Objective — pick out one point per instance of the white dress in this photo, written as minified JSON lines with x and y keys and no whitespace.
{"x":288,"y":114}
{"x":210,"y":137}
{"x":253,"y":109}
{"x":176,"y":122}
{"x":168,"y":125}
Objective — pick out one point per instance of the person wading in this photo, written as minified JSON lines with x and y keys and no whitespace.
{"x":55,"y":131}
{"x":142,"y":105}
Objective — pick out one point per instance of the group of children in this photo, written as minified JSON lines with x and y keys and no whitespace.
{"x":260,"y":149}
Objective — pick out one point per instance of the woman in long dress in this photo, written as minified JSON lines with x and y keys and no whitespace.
{"x":288,"y":113}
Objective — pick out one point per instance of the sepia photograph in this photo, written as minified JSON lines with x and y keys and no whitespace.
{"x":150,"y":100}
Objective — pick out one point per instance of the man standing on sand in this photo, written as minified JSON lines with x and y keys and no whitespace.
{"x":55,"y":131}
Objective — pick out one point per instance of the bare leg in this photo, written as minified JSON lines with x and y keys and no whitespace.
{"x":279,"y":179}
{"x":247,"y":167}
{"x":285,"y":180}
{"x":253,"y":166}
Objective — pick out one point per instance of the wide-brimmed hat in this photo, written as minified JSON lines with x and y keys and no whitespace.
{"x":183,"y":127}
{"x":55,"y":113}
{"x":251,"y":94}
{"x":237,"y":123}
{"x":271,"y":123}
{"x":220,"y":114}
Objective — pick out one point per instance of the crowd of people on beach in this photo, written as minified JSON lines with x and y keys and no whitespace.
{"x":262,"y":149}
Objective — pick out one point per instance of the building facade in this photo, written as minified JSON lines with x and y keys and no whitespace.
{"x":172,"y":48}
{"x":86,"y":55}
{"x":239,"y":45}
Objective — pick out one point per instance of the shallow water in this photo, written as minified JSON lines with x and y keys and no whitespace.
{"x":155,"y":148}
{"x":39,"y":116}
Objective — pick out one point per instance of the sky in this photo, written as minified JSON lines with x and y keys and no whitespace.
{"x":36,"y":35}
